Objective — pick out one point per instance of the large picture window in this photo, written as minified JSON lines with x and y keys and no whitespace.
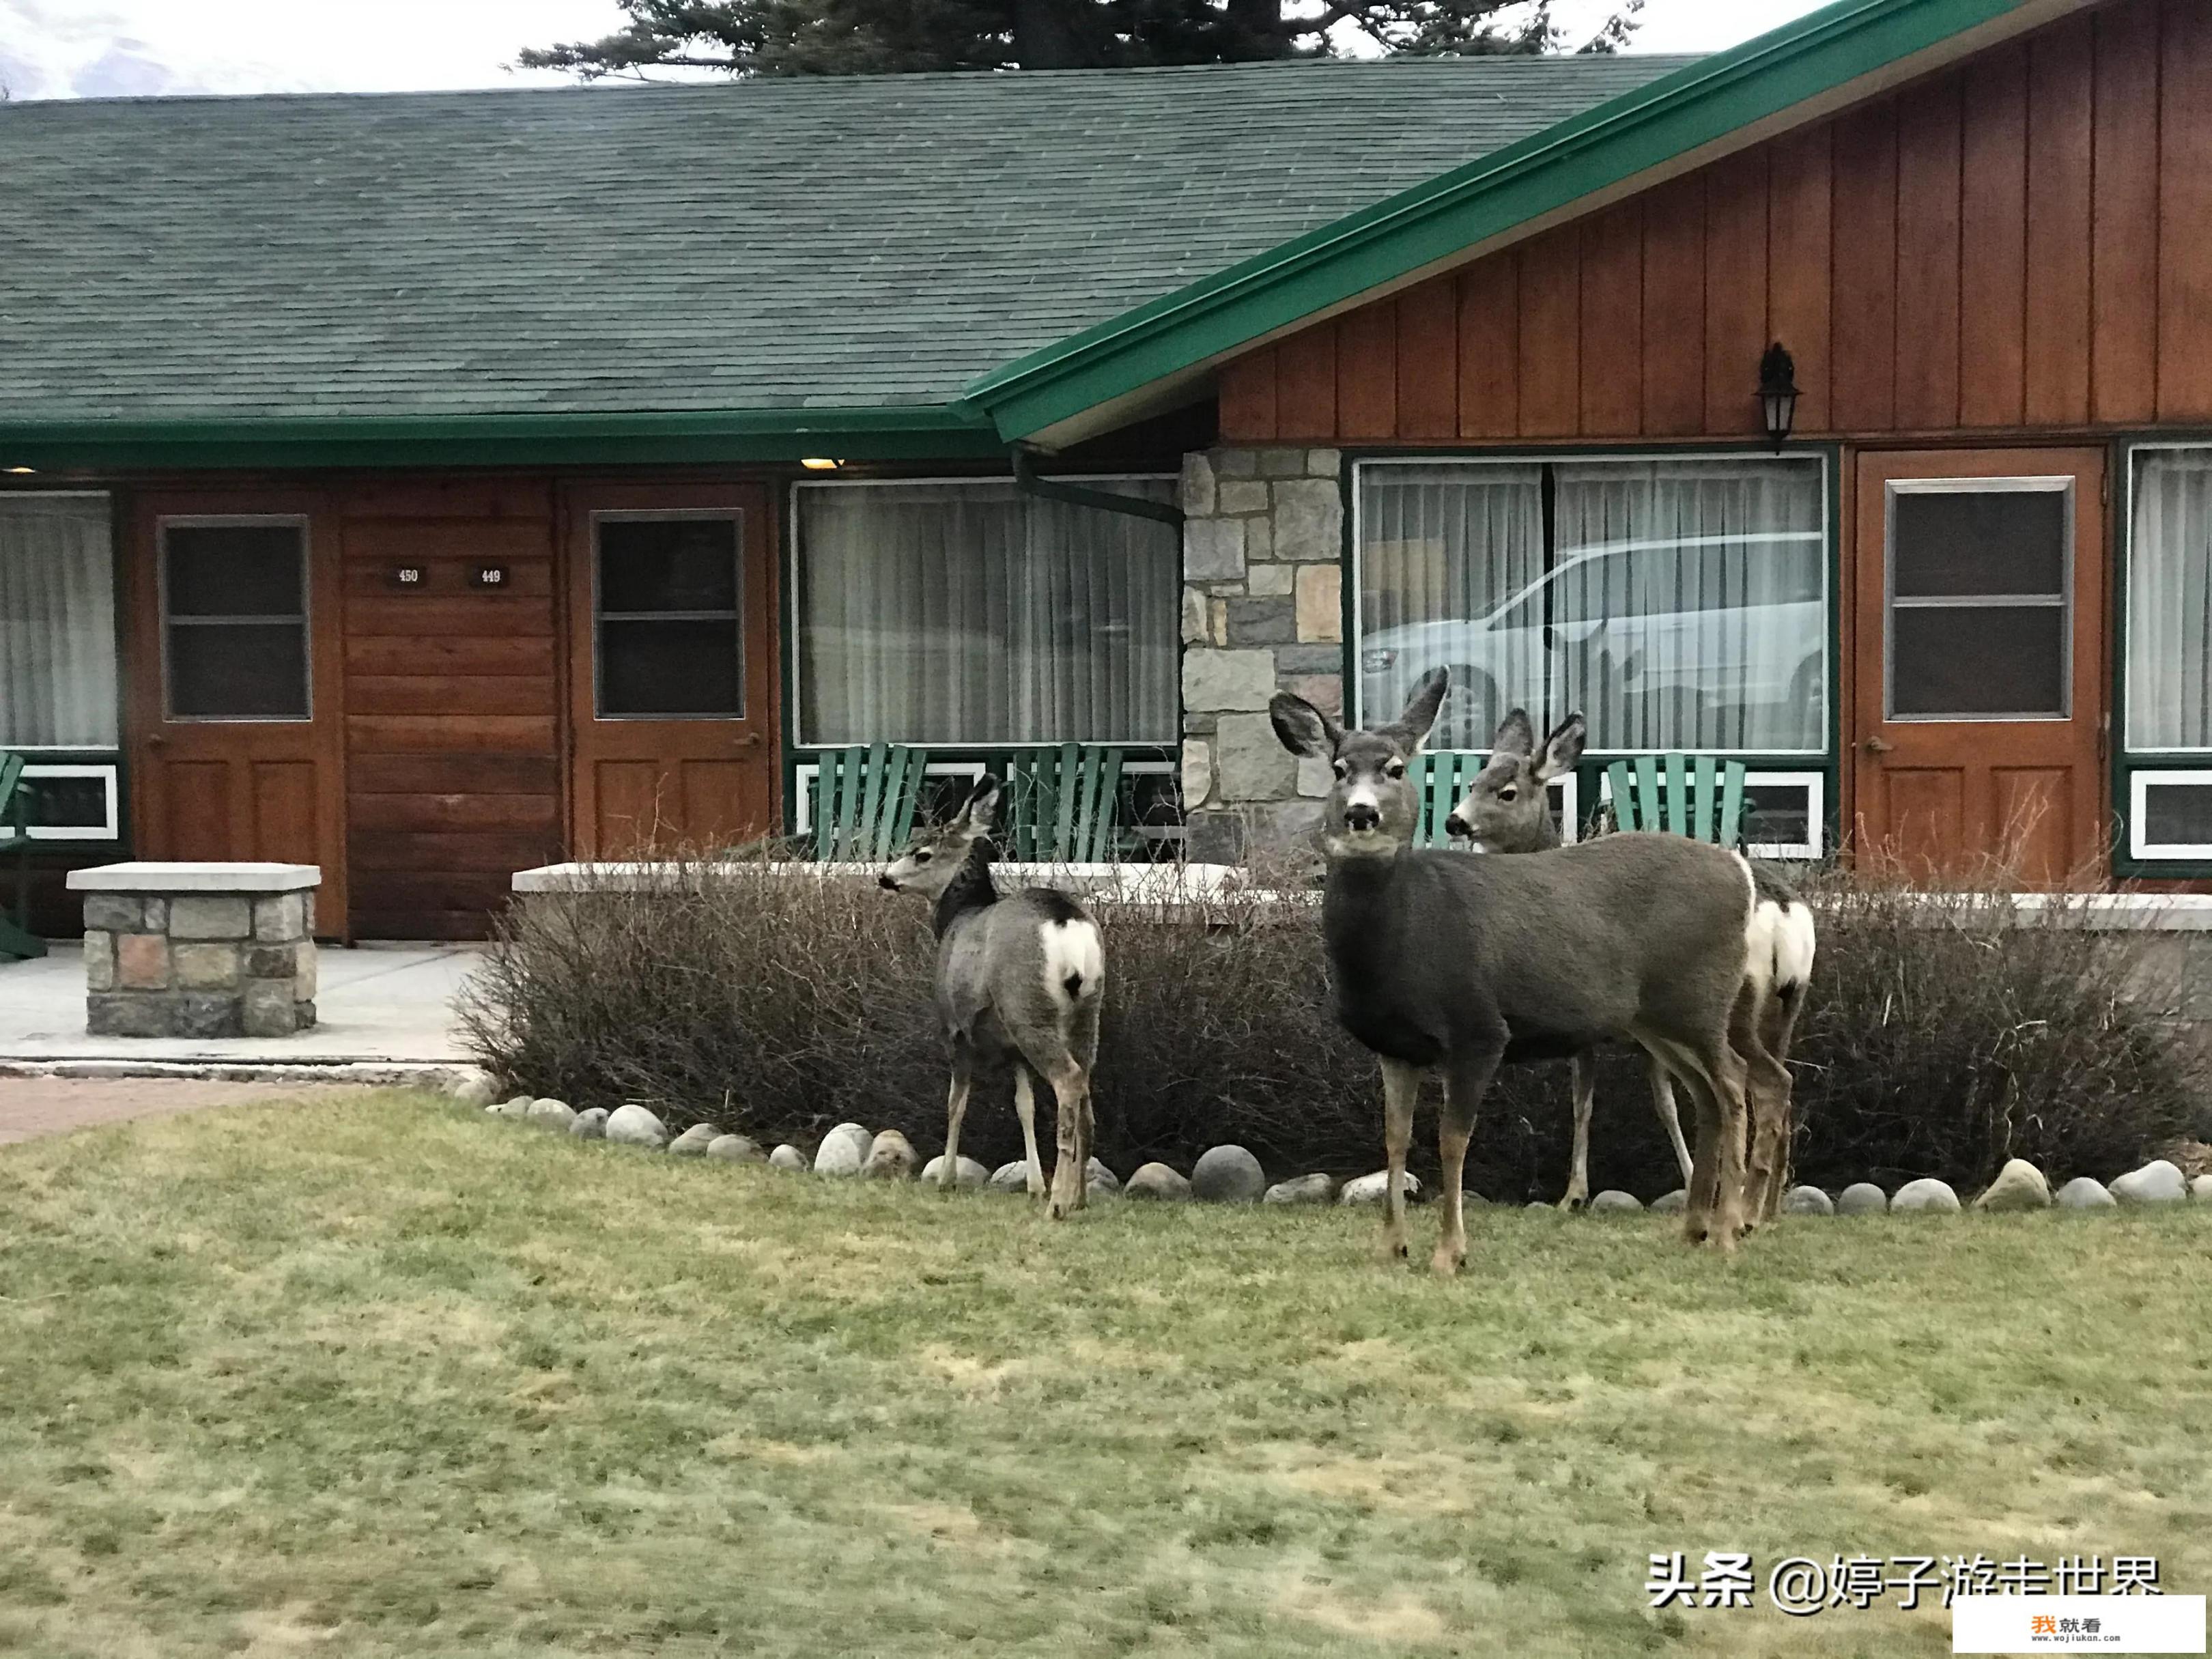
{"x":2170,"y":602}
{"x":56,"y":622}
{"x":968,"y":613}
{"x":1679,"y":603}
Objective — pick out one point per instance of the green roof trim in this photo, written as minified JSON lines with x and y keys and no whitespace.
{"x":918,"y":432}
{"x":1631,"y":135}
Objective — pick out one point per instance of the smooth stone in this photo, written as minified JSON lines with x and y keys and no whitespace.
{"x":1302,"y":1189}
{"x":968,"y":1174}
{"x":1013,"y":1177}
{"x":1672,"y":1203}
{"x":1614,"y":1201}
{"x":843,"y":1150}
{"x":2084,"y":1194}
{"x":590,"y":1125}
{"x":1156,"y":1180}
{"x":695,"y":1141}
{"x":1806,"y":1200}
{"x":471,"y":1087}
{"x":2019,"y":1186}
{"x":2158,"y":1182}
{"x":1371,"y":1188}
{"x":519,"y":1106}
{"x":1537,"y":1206}
{"x":554,"y":1114}
{"x":1100,"y":1180}
{"x":890,"y":1157}
{"x":633,"y":1125}
{"x":2200,"y":1189}
{"x":1227,"y":1175}
{"x":1861,"y":1198}
{"x":1927,"y":1195}
{"x":787,"y":1156}
{"x":736,"y":1149}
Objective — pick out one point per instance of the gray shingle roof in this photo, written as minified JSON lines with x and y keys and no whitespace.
{"x":805,"y":243}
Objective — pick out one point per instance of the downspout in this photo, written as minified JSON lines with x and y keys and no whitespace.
{"x":1104,"y":501}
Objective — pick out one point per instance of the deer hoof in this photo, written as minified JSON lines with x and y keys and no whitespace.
{"x":1445,"y":1263}
{"x":1573,"y":1203}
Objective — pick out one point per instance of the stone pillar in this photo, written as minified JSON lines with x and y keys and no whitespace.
{"x":1262,"y":612}
{"x":198,"y":950}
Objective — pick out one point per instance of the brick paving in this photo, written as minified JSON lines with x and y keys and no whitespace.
{"x":32,"y":1106}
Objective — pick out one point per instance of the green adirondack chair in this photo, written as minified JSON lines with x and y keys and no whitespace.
{"x":1063,"y":803}
{"x":1693,"y":795}
{"x":865,"y":799}
{"x":1441,"y":779}
{"x":17,"y":942}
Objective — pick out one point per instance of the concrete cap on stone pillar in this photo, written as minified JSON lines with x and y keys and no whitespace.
{"x":195,"y":877}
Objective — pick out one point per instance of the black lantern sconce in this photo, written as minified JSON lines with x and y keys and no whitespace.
{"x":1777,"y":394}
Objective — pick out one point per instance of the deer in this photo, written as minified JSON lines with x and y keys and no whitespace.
{"x":1439,"y":962}
{"x":1019,"y":978}
{"x":1506,"y":810}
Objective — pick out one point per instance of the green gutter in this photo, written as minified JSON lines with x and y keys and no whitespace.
{"x":1614,"y":142}
{"x":907,"y":432}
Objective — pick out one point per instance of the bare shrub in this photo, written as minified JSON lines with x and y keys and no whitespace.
{"x":1944,"y":1033}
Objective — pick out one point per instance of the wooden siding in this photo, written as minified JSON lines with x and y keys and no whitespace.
{"x":453,"y":706}
{"x":2021,"y":244}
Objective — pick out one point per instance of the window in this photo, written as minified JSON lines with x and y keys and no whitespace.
{"x":1980,"y":610}
{"x":670,"y":637}
{"x":71,"y":803}
{"x":1679,"y":603}
{"x":969,"y":613}
{"x":58,"y":686}
{"x":2169,"y":651}
{"x":234,"y":618}
{"x":2170,"y":815}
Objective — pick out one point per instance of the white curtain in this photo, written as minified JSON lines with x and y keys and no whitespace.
{"x":1690,"y":608}
{"x":968,"y":613}
{"x":1440,"y":548}
{"x":1679,"y":605}
{"x":2170,"y":602}
{"x":56,"y":622}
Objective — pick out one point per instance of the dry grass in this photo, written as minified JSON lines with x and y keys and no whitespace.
{"x":381,"y":1377}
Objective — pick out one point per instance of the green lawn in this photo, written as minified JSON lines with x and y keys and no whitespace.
{"x":376,"y":1375}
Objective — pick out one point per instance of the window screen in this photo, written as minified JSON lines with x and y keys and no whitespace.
{"x":234,"y":620}
{"x":1979,"y":617}
{"x":671,"y":631}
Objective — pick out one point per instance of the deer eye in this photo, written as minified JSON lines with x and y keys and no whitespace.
{"x":1395,"y":770}
{"x":1508,"y":793}
{"x":924,"y":856}
{"x":1341,"y":768}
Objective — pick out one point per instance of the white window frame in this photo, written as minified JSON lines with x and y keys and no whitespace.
{"x":2140,"y":784}
{"x":800,"y":743}
{"x":1815,"y":785}
{"x":2062,"y":485}
{"x":731,"y":515}
{"x":111,"y":828}
{"x":1355,"y":688}
{"x":233,"y":520}
{"x":2127,"y":618}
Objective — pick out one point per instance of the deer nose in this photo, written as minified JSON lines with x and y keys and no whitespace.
{"x":1457,"y":826}
{"x":1361,"y":816}
{"x":885,"y":882}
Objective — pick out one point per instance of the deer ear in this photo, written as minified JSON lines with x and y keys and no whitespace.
{"x":1410,"y":727}
{"x":1562,"y":749}
{"x":979,"y":813}
{"x":1303,"y":729}
{"x":1515,"y":737}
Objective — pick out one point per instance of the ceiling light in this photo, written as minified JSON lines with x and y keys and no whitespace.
{"x":820,"y":464}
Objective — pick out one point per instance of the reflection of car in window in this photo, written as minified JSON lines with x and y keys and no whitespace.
{"x":1726,"y":621}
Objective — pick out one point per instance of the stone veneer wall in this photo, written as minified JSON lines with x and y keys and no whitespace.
{"x":199,"y":964}
{"x":1262,"y":612}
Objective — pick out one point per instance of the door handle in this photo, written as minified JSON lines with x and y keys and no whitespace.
{"x":750,"y":740}
{"x":155,"y":740}
{"x":1877,"y":745}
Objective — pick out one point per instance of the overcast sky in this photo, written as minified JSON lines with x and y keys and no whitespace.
{"x":124,"y":48}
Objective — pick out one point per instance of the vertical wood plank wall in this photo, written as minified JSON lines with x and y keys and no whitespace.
{"x":2022,"y":243}
{"x":452,"y":755}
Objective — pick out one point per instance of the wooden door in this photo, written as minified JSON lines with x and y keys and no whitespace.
{"x":235,"y":690}
{"x":672,"y":689}
{"x":1981,"y":663}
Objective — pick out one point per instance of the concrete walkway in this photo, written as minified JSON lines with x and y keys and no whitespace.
{"x":375,"y":1003}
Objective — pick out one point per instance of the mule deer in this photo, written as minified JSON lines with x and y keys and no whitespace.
{"x":1441,"y":961}
{"x":1019,"y":978}
{"x":1507,"y":809}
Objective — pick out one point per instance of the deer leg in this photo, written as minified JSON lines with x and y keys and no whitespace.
{"x":1722,"y":1071}
{"x":1662,"y":1102}
{"x":956,"y":1108}
{"x":1401,"y":1091}
{"x":1698,"y":1203}
{"x":1069,"y":1086}
{"x":1583,"y":1074}
{"x":1025,"y":1110}
{"x":1465,"y":1078}
{"x":1777,"y":1020}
